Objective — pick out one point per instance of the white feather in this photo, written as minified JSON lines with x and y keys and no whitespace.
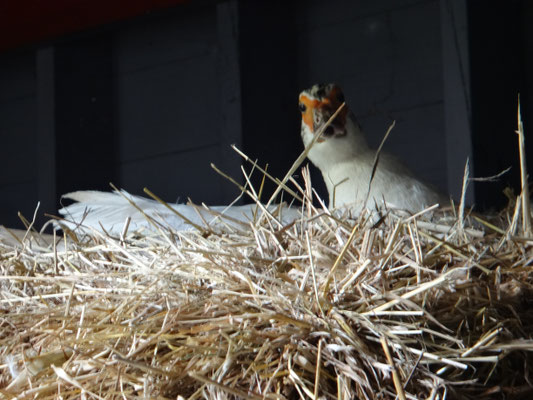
{"x":110,"y":210}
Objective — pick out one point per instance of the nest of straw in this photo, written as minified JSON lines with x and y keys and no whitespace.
{"x":436,"y":305}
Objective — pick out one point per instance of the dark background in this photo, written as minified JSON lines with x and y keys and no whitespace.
{"x":149,"y":93}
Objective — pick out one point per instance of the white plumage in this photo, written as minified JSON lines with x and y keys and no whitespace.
{"x":345,"y":160}
{"x":94,"y":210}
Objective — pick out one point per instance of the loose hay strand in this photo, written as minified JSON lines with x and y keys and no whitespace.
{"x":524,"y":193}
{"x":395,"y":376}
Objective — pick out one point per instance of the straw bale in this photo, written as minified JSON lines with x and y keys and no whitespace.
{"x":329,"y":306}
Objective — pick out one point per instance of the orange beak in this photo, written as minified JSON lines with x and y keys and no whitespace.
{"x":317,"y":113}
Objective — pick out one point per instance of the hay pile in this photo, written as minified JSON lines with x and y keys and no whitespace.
{"x":432,"y":306}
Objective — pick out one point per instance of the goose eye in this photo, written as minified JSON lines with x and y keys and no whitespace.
{"x":302,"y":107}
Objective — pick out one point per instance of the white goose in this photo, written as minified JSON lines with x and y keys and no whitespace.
{"x":341,"y":154}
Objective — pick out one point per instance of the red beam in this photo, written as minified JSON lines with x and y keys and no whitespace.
{"x":29,"y":21}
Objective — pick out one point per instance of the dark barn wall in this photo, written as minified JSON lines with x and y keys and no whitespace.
{"x":82,"y":96}
{"x":146,"y":103}
{"x":167,"y":108}
{"x":152,"y":101}
{"x":457,"y":96}
{"x":498,"y":57}
{"x":19,"y":158}
{"x":269,"y":70}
